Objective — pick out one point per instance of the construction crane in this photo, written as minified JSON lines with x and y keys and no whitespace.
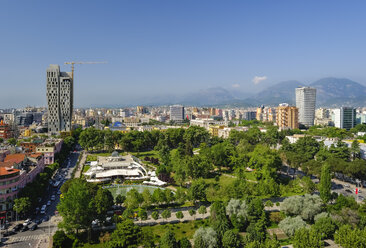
{"x":73,"y":63}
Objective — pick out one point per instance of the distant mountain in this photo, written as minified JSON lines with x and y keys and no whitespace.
{"x":331,"y":92}
{"x":276,"y":94}
{"x":339,"y":91}
{"x":210,"y":96}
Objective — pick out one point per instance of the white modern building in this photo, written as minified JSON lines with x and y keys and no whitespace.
{"x":59,"y":99}
{"x":305,"y":102}
{"x":344,"y":117}
{"x":115,"y":166}
{"x":176,"y":113}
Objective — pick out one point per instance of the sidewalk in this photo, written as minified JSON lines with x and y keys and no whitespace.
{"x":80,"y":165}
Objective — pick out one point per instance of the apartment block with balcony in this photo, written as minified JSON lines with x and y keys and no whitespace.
{"x":287,"y":117}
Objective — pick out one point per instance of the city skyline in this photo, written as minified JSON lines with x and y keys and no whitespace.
{"x":156,"y":49}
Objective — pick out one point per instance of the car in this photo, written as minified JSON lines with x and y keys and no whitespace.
{"x":17,"y":227}
{"x":361,"y":198}
{"x":34,"y":227}
{"x":25,"y":228}
{"x":48,"y":203}
{"x":346,"y":185}
{"x":37,"y":222}
{"x":27,"y":222}
{"x":348,"y":190}
{"x":53,"y":197}
{"x":8,"y":233}
{"x":46,"y":218}
{"x":59,"y":192}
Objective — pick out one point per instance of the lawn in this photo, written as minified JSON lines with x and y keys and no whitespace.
{"x":224,"y":180}
{"x":180,"y":230}
{"x":142,"y":155}
{"x":94,"y":156}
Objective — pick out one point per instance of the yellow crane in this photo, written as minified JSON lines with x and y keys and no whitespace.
{"x":72,"y":63}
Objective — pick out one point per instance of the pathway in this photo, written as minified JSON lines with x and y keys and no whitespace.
{"x":173,"y":218}
{"x":80,"y":165}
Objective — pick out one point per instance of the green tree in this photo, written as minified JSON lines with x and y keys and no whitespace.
{"x":205,"y":238}
{"x":197,"y":191}
{"x":120,"y":199}
{"x":231,"y":239}
{"x":155,"y":215}
{"x":291,"y":224}
{"x":166,"y":214}
{"x":179,"y":215}
{"x":61,"y":240}
{"x":192,"y":212}
{"x":325,"y":226}
{"x":168,"y":240}
{"x":22,"y":205}
{"x":103,"y":201}
{"x":147,"y":198}
{"x":325,"y":184}
{"x":142,"y":214}
{"x":126,"y":235}
{"x":305,"y":238}
{"x":76,"y":207}
{"x":202,"y":210}
{"x":355,"y":150}
{"x":266,"y":161}
{"x":12,"y":141}
{"x":184,"y":243}
{"x":133,"y":199}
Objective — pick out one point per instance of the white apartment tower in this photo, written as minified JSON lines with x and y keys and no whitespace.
{"x":176,"y":113}
{"x":305,"y":102}
{"x":60,"y":98}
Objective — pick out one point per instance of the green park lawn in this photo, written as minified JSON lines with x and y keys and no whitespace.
{"x":180,"y":230}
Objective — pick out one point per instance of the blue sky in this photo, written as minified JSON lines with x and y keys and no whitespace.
{"x":155,"y":48}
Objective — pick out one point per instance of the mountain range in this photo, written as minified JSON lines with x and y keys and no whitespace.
{"x":331,"y":92}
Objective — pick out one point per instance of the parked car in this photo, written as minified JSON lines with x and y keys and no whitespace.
{"x":34,"y":227}
{"x":348,"y":190}
{"x":25,"y":228}
{"x":46,"y":218}
{"x":27,"y":222}
{"x":17,"y":227}
{"x":48,"y":203}
{"x":53,"y":197}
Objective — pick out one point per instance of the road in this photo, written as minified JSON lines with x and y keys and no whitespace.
{"x":40,"y":236}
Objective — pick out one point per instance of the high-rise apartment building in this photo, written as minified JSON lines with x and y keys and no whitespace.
{"x":266,"y":114}
{"x":176,"y":113}
{"x":59,"y":99}
{"x":287,"y":116}
{"x":305,"y":102}
{"x":345,"y":117}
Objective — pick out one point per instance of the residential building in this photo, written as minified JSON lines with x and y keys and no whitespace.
{"x":59,"y":99}
{"x":6,"y":131}
{"x":345,"y":117}
{"x":24,"y":119}
{"x":266,"y":114}
{"x":287,"y":116}
{"x":176,"y":113}
{"x":49,"y":148}
{"x":249,"y":115}
{"x":305,"y":102}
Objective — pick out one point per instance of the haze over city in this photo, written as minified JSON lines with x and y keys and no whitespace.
{"x":157,"y":49}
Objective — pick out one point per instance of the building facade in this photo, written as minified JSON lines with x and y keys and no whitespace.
{"x":345,"y":117}
{"x":176,"y":113}
{"x":305,"y":102}
{"x":59,"y":100}
{"x":287,"y":117}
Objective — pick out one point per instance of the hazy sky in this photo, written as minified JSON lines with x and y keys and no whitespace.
{"x":160,"y":47}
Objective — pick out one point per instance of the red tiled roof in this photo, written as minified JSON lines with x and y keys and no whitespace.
{"x":7,"y":171}
{"x":16,"y":158}
{"x":6,"y":164}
